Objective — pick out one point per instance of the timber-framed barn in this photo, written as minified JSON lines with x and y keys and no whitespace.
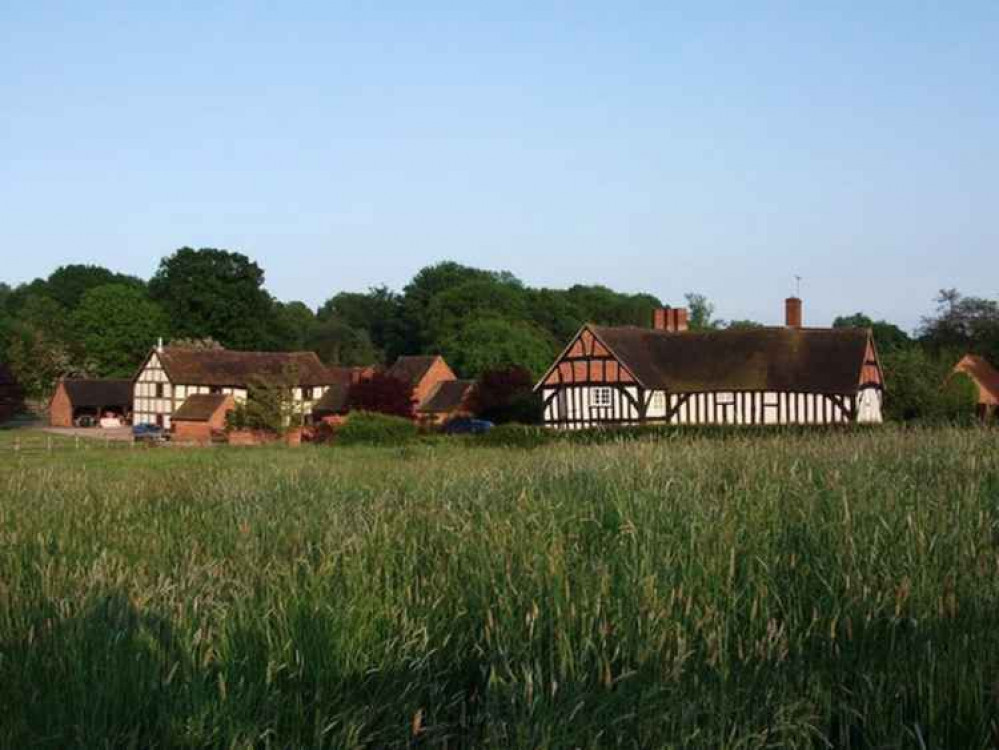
{"x":667,"y":374}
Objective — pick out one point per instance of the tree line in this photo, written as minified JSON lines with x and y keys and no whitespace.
{"x":86,"y":320}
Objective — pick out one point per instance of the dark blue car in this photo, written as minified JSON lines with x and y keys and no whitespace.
{"x":467,"y":426}
{"x":150,"y":432}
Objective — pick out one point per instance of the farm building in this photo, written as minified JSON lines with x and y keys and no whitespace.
{"x":667,"y":374}
{"x":438,"y":395}
{"x":335,"y":402}
{"x":986,"y":378}
{"x":11,"y":395}
{"x":79,"y":399}
{"x":201,"y":415}
{"x":170,"y":374}
{"x":448,"y":399}
{"x":423,"y":373}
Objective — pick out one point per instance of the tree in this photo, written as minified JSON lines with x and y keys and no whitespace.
{"x":506,"y":395}
{"x":379,"y":312}
{"x":427,"y":284}
{"x":68,"y":284}
{"x":920,"y":387}
{"x":38,"y":360}
{"x":382,"y":393}
{"x":116,"y":325}
{"x":215,"y":293}
{"x":887,"y":336}
{"x":736,"y":325}
{"x":701,"y":313}
{"x":187,"y":343}
{"x":492,"y":343}
{"x":963,"y":324}
{"x":451,"y":310}
{"x":293,"y":326}
{"x":337,"y":343}
{"x":598,"y":304}
{"x":269,"y":405}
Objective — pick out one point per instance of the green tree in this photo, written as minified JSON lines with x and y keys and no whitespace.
{"x":887,"y":336}
{"x":493,"y":343}
{"x":450,"y":310}
{"x":599,"y":304}
{"x":116,"y":325}
{"x":734,"y":325}
{"x":378,"y":311}
{"x":67,"y":284}
{"x":920,"y":387}
{"x":293,"y":326}
{"x":965,"y":324}
{"x":217,"y":294}
{"x":337,"y":343}
{"x":701,"y":313}
{"x":430,"y":281}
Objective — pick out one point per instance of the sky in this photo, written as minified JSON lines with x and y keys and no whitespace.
{"x":719,"y":148}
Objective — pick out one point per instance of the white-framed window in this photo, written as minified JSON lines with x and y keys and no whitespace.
{"x":770,"y":399}
{"x":600,"y":397}
{"x":724,"y":398}
{"x":658,"y":400}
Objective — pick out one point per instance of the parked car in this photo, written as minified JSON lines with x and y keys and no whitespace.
{"x":467,"y":426}
{"x":148,"y":433}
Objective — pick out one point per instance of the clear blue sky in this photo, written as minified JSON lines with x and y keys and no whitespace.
{"x":718,"y":148}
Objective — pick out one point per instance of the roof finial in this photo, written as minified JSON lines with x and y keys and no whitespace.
{"x":797,"y":286}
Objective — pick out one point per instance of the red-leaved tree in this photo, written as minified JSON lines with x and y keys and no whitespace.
{"x":505,"y":395}
{"x":382,"y":393}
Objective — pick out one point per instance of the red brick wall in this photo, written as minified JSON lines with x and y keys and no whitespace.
{"x":438,"y":372}
{"x":60,"y":408}
{"x":192,"y":432}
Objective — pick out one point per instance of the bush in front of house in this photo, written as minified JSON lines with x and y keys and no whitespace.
{"x":372,"y":428}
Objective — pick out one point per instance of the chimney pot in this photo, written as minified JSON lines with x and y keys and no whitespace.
{"x":792,"y":312}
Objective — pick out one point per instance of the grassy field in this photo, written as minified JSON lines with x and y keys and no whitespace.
{"x":826,"y":590}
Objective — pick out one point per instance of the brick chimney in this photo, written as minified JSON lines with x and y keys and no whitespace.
{"x":792,"y":312}
{"x":673,"y":319}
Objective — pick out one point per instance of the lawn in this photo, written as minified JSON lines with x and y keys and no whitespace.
{"x":763,"y":590}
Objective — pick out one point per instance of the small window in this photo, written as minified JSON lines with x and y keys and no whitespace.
{"x":159,"y":390}
{"x":600,"y":397}
{"x":770,"y":399}
{"x":307,"y":394}
{"x":658,"y":400}
{"x":215,"y":389}
{"x":724,"y":398}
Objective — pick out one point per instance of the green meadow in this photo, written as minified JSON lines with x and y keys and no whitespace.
{"x":800,"y":590}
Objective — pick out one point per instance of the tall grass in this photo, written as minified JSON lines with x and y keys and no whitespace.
{"x":800,"y":591}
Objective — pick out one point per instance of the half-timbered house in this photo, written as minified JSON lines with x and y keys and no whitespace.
{"x":670,"y":375}
{"x":170,"y":374}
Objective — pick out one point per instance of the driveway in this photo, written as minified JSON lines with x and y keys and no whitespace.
{"x":123,"y":434}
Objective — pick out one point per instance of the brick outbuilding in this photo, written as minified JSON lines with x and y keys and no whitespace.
{"x":77,"y":398}
{"x":200,"y":415}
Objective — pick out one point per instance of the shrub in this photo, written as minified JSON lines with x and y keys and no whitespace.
{"x":384,"y":394}
{"x":506,"y":395}
{"x":372,"y":428}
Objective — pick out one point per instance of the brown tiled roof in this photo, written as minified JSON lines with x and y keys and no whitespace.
{"x":983,"y":373}
{"x":809,"y":360}
{"x":448,"y":396}
{"x":225,"y":367}
{"x":411,"y":369}
{"x":200,"y":407}
{"x":93,"y":392}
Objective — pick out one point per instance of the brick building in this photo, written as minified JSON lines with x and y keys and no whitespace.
{"x":84,"y":399}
